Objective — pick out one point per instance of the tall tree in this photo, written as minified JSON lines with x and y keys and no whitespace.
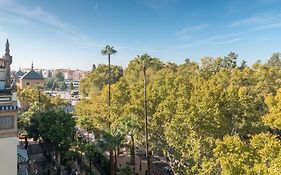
{"x":108,"y":51}
{"x":274,"y":60}
{"x":144,"y":61}
{"x":229,"y":61}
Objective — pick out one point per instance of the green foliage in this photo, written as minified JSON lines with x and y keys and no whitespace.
{"x":32,"y":107}
{"x":274,"y":60}
{"x":110,"y":140}
{"x":84,"y":111}
{"x":98,"y":79}
{"x":71,"y":86}
{"x":243,"y":64}
{"x":234,"y":156}
{"x":29,"y":96}
{"x":108,"y":50}
{"x":49,"y":74}
{"x":260,"y":156}
{"x":55,"y":82}
{"x":208,"y":118}
{"x":273,"y":118}
{"x":54,"y":126}
{"x":61,"y":85}
{"x":59,"y":77}
{"x":48,"y":83}
{"x":125,"y":170}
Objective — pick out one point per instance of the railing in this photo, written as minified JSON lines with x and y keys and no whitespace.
{"x":2,"y":108}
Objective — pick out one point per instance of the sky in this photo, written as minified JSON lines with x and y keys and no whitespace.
{"x":71,"y":33}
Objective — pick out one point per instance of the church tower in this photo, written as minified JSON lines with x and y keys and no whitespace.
{"x":8,"y":117}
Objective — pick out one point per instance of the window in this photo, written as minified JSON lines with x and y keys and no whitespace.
{"x":37,"y":83}
{"x":2,"y":85}
{"x":6,"y":122}
{"x":27,"y":83}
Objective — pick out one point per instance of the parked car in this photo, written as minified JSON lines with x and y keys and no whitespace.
{"x":74,"y":94}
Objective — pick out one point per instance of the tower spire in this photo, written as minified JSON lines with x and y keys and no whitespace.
{"x":32,"y":65}
{"x":7,"y":48}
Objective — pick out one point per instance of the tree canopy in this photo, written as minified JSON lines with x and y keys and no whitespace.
{"x":212,"y":117}
{"x":97,"y":79}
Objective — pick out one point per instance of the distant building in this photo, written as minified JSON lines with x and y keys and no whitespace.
{"x":31,"y":79}
{"x":19,"y":74}
{"x":68,"y":74}
{"x":71,"y":75}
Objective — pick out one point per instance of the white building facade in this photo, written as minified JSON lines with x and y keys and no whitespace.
{"x":8,"y":117}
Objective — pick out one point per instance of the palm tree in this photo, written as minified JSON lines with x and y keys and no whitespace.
{"x":129,"y":126}
{"x":108,"y":51}
{"x":111,"y":140}
{"x":145,"y":60}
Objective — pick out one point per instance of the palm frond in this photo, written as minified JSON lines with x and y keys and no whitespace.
{"x":108,"y":50}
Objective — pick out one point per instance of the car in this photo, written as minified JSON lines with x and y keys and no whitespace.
{"x":74,"y":93}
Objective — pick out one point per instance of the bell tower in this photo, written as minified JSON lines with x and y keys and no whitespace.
{"x":8,"y":116}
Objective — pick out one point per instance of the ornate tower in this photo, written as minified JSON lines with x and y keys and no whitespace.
{"x":8,"y":59}
{"x":8,"y":117}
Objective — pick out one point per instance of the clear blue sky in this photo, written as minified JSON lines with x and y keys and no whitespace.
{"x":71,"y":33}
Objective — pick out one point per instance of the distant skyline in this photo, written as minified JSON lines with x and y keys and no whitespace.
{"x":71,"y":33}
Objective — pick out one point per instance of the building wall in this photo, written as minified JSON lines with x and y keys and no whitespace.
{"x":32,"y":83}
{"x":68,"y":75}
{"x":8,"y":140}
{"x":10,"y":120}
{"x":8,"y":156}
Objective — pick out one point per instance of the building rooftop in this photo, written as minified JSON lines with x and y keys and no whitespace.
{"x":19,"y":73}
{"x":32,"y":75}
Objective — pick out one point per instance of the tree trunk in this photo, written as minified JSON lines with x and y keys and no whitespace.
{"x":26,"y":142}
{"x":133,"y":154}
{"x":109,"y":93}
{"x":115,"y":161}
{"x":111,"y":162}
{"x":112,"y":171}
{"x":58,"y":161}
{"x":146,"y":123}
{"x":90,"y":164}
